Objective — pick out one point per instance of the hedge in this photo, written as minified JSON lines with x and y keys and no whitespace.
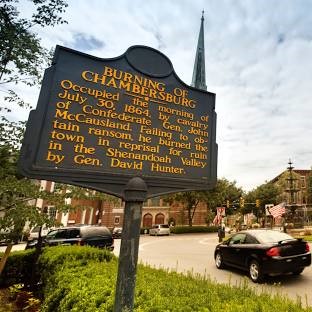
{"x":193,"y":229}
{"x":18,"y":268}
{"x":83,"y":279}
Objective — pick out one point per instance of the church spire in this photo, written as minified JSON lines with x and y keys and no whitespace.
{"x":199,"y":74}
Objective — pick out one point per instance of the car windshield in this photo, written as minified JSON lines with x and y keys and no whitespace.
{"x":272,"y":236}
{"x":51,"y":234}
{"x":164,"y":226}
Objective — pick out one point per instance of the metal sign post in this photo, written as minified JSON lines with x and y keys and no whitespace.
{"x":134,"y":194}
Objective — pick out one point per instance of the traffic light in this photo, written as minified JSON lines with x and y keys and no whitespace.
{"x":258,"y":203}
{"x":227,"y":204}
{"x":241,"y":202}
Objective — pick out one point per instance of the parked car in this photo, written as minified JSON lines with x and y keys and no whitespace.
{"x":8,"y":236}
{"x":34,"y":232}
{"x":96,"y":236}
{"x":263,"y":252}
{"x":160,"y":229}
{"x":117,"y":231}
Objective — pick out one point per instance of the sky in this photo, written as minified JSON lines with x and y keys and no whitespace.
{"x":258,"y":63}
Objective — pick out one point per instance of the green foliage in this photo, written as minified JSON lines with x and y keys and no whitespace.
{"x":223,"y":191}
{"x":53,"y":257}
{"x":77,"y":283}
{"x":18,"y":268}
{"x":18,"y":205}
{"x":193,"y":229}
{"x":20,"y":50}
{"x":189,"y":200}
{"x":267,"y":193}
{"x":22,"y":57}
{"x":8,"y":159}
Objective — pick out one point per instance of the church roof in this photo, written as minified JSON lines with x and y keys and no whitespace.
{"x":199,"y":73}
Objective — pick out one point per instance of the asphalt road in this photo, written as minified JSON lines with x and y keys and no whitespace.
{"x":194,"y":253}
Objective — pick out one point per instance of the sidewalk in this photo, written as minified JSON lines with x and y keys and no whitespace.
{"x":20,"y":246}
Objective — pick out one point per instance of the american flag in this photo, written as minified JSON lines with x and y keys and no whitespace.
{"x":217,"y":219}
{"x":220,"y":213}
{"x":278,"y":210}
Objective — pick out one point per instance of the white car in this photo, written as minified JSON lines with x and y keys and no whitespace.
{"x":34,"y":232}
{"x":160,"y":229}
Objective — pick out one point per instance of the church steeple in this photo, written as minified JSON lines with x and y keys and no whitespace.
{"x":199,"y":73}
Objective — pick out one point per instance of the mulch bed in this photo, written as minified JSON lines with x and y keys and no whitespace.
{"x":22,"y":301}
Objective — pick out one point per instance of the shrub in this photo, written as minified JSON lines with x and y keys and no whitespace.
{"x":18,"y":268}
{"x":89,"y":286}
{"x":193,"y":229}
{"x":72,"y":274}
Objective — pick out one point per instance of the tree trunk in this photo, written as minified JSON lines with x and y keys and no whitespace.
{"x":190,"y":218}
{"x":5,"y":257}
{"x":99,"y":214}
{"x":33,"y":279}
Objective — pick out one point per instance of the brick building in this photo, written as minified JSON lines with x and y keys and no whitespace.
{"x":300,"y":185}
{"x":110,"y":214}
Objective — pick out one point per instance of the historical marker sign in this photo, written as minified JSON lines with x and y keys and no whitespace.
{"x":100,"y":122}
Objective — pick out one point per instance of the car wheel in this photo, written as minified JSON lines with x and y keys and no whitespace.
{"x":219,"y":260}
{"x":298,"y":272}
{"x":255,"y":271}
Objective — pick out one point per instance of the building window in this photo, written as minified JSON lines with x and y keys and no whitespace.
{"x":303,"y":182}
{"x":52,"y":212}
{"x":117,"y":220}
{"x":304,"y":200}
{"x":147,"y":220}
{"x":160,"y":218}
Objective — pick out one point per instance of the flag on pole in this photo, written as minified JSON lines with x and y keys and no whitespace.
{"x":216,"y":219}
{"x":220,"y":213}
{"x":278,"y":210}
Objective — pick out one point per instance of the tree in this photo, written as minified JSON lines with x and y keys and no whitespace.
{"x":22,"y":59}
{"x":21,"y":54}
{"x":18,"y":199}
{"x":213,"y":198}
{"x":267,"y":193}
{"x":223,"y":191}
{"x":189,"y":201}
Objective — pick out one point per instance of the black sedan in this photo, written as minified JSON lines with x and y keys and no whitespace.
{"x":95,"y":236}
{"x":263,"y":252}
